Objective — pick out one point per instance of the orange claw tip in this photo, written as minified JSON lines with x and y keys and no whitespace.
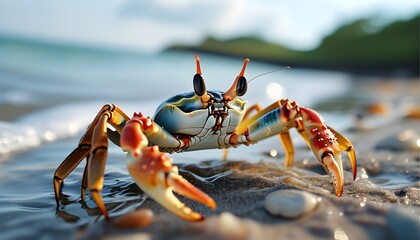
{"x":212,"y":204}
{"x":336,"y":174}
{"x":183,"y":187}
{"x":189,"y":215}
{"x":353,"y":162}
{"x":192,"y":217}
{"x":199,"y":219}
{"x":98,"y":199}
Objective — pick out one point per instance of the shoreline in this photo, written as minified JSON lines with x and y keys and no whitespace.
{"x":364,"y":71}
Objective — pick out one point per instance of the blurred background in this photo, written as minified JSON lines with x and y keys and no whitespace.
{"x":75,"y":48}
{"x":73,"y":57}
{"x":356,"y":62}
{"x":138,"y":53}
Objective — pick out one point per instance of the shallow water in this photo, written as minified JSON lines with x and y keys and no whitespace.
{"x":62,"y":102}
{"x":27,"y":197}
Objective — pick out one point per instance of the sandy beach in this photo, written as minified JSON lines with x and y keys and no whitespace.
{"x":368,"y":209}
{"x":382,"y":203}
{"x":380,"y":117}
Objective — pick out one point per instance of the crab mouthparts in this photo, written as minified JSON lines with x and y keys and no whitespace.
{"x":219,"y":109}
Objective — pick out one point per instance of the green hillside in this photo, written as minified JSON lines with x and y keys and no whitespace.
{"x":359,"y":47}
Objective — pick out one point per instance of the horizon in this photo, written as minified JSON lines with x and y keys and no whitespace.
{"x":122,"y":49}
{"x":152,"y":27}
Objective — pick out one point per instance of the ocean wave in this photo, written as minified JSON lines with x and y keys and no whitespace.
{"x":52,"y":124}
{"x":70,"y":120}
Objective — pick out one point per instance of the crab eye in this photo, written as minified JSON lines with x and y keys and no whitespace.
{"x":199,"y":85}
{"x":242,"y":86}
{"x":238,"y":87}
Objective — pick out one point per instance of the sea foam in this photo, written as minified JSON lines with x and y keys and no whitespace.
{"x":52,"y":124}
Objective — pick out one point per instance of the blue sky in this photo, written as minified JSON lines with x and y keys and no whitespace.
{"x":153,"y":25}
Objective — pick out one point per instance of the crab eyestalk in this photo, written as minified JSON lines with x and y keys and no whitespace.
{"x":199,"y":84}
{"x":239,"y":86}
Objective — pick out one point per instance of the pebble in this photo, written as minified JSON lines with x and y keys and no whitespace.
{"x":137,"y":219}
{"x":290,"y":203}
{"x":408,"y":140}
{"x":374,"y":115}
{"x":404,"y":224}
{"x":378,"y":108}
{"x":413,"y":112}
{"x":226,"y":226}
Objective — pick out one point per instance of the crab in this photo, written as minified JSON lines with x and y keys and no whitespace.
{"x":202,"y":119}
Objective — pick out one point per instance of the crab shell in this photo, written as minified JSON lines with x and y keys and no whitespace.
{"x":184,"y":114}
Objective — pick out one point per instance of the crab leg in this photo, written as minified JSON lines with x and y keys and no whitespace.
{"x":284,"y":135}
{"x":322,"y":141}
{"x":289,"y":152}
{"x":276,"y":121}
{"x":117,"y":118}
{"x":246,"y":122}
{"x":256,"y":107}
{"x":345,"y":145}
{"x":98,"y":155}
{"x":154,"y":174}
{"x":93,"y":145}
{"x":84,"y":179}
{"x":75,"y":157}
{"x":97,"y":161}
{"x":67,"y":166}
{"x":325,"y":146}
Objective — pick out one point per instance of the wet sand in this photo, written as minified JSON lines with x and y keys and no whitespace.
{"x":368,"y":209}
{"x":383,"y":202}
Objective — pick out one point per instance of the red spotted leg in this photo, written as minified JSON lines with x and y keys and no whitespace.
{"x":325,"y":146}
{"x":343,"y":143}
{"x":322,"y":141}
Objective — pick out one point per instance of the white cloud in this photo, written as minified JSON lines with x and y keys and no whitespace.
{"x":152,"y":25}
{"x":183,"y":20}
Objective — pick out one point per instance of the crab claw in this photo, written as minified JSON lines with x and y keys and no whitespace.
{"x":154,"y":174}
{"x":325,"y":146}
{"x":335,"y":171}
{"x":132,"y":138}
